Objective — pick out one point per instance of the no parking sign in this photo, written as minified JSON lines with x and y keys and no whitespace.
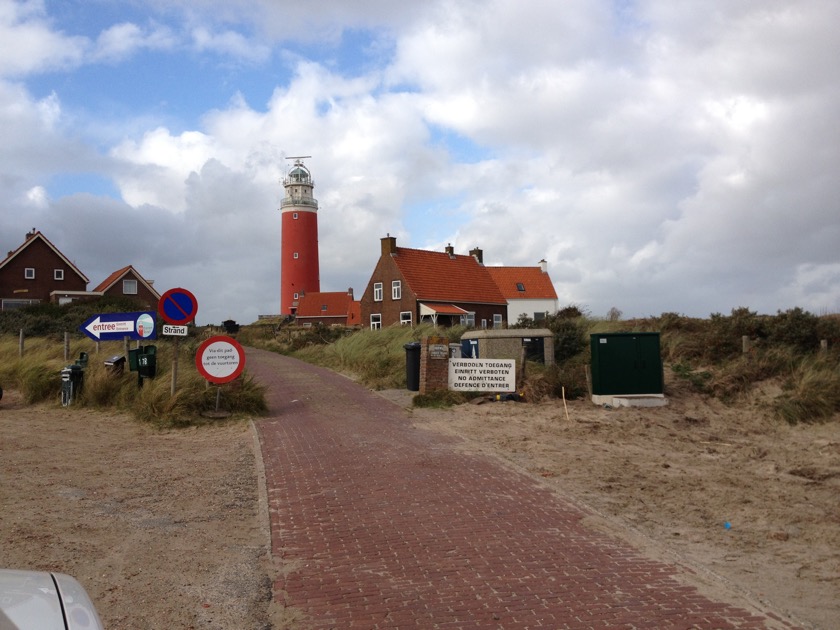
{"x":178,"y":306}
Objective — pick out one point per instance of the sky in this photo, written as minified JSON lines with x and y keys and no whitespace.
{"x":661,"y":156}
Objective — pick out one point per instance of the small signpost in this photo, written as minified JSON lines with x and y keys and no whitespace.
{"x":220,"y":359}
{"x":177,"y":307}
{"x":116,"y":326}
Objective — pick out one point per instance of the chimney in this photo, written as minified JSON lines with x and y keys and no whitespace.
{"x":449,"y":250}
{"x":478,"y":255}
{"x":31,"y":234}
{"x":543,"y":266}
{"x":350,"y":292}
{"x":389,"y":245}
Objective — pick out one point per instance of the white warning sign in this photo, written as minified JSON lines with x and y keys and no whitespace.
{"x":482,"y":375}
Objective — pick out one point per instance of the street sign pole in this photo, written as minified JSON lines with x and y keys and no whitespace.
{"x":174,"y":367}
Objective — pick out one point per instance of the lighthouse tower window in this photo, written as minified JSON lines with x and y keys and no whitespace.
{"x":296,"y":255}
{"x":294,"y":215}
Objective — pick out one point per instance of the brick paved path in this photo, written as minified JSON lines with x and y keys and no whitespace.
{"x":381,"y":525}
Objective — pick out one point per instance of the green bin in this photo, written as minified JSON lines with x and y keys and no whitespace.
{"x":147,"y":365}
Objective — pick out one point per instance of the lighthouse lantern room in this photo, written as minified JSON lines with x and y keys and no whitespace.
{"x":299,"y":272}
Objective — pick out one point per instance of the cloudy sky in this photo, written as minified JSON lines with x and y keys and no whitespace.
{"x":661,"y":156}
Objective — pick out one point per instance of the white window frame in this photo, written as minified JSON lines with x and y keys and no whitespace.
{"x":296,"y":296}
{"x":468,"y":319}
{"x":296,"y":255}
{"x":127,"y":284}
{"x":29,"y":273}
{"x":405,"y":318}
{"x":377,"y":291}
{"x":58,"y":274}
{"x":396,"y":290}
{"x":484,"y":323}
{"x":376,"y":321}
{"x":497,"y":320}
{"x":294,"y":215}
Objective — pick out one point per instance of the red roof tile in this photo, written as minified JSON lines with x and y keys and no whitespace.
{"x":335,"y":304}
{"x":534,"y":280}
{"x":441,"y":277}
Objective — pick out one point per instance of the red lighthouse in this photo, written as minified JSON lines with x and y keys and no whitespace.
{"x":299,"y":272}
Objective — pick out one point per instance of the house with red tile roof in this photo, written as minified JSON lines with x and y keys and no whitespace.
{"x":328,"y":308}
{"x":528,"y":291}
{"x":127,"y":282}
{"x":409,"y":286}
{"x":38,"y":272}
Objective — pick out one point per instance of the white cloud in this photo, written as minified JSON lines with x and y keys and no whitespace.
{"x":121,"y":41}
{"x":30,"y":44}
{"x":661,"y":157}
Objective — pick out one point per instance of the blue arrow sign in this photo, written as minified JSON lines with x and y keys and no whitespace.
{"x":115,"y":326}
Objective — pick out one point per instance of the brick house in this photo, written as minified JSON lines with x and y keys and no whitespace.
{"x":127,"y":282}
{"x":38,"y":272}
{"x":528,"y":291}
{"x":328,"y":308}
{"x":412,"y":285}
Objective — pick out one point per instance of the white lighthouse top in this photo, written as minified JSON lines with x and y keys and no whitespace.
{"x":299,"y":174}
{"x":298,"y":184}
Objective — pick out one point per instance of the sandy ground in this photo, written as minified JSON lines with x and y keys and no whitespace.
{"x":168,"y":530}
{"x":163,"y":529}
{"x":722,"y":490}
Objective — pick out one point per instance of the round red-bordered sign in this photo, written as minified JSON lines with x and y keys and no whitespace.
{"x":220,"y":359}
{"x":178,"y":307}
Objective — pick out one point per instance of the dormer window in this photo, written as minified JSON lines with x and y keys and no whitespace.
{"x":520,"y":287}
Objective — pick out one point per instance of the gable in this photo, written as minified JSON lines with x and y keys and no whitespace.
{"x":126,"y":273}
{"x":37,"y":250}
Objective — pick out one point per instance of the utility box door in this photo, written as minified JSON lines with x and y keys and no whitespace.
{"x":626,"y":364}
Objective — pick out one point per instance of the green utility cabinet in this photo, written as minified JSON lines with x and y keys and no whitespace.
{"x":626,"y":364}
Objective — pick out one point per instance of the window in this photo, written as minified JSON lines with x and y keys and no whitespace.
{"x":294,"y":215}
{"x":296,"y":296}
{"x":377,"y":291}
{"x":129,"y":287}
{"x":375,"y":321}
{"x":484,"y":323}
{"x":497,"y":320}
{"x":520,"y":287}
{"x":396,"y":290}
{"x":29,"y":273}
{"x":295,"y":255}
{"x":58,"y":274}
{"x":468,"y":319}
{"x":324,"y":308}
{"x":405,"y":318}
{"x":540,"y":317}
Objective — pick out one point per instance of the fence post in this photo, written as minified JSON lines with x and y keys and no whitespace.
{"x":20,"y":343}
{"x":66,"y":346}
{"x":823,"y":345}
{"x":745,"y":344}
